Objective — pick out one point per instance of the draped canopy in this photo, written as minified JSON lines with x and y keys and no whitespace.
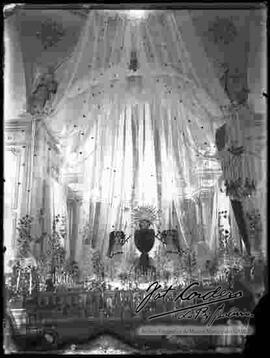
{"x":172,"y":66}
{"x":135,"y":115}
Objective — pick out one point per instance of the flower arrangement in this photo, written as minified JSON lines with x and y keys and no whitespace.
{"x":30,"y":274}
{"x":123,"y":278}
{"x":24,"y":238}
{"x":71,"y":268}
{"x":98,"y":265}
{"x":24,"y":278}
{"x":55,"y":253}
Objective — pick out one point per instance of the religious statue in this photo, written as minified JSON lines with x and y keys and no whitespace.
{"x":43,"y":91}
{"x":237,"y":187}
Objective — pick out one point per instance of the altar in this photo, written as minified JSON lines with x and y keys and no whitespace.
{"x":134,"y":159}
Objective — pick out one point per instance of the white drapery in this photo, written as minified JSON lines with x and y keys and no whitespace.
{"x":98,"y":71}
{"x":138,"y":137}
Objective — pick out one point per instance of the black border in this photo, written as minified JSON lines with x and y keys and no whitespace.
{"x":157,"y":5}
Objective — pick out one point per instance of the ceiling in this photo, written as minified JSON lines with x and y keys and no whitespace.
{"x":48,"y":36}
{"x":65,"y":32}
{"x":211,"y":26}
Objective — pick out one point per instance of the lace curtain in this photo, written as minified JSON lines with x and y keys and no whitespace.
{"x":137,"y":131}
{"x":98,"y":71}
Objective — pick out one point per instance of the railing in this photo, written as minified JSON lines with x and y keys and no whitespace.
{"x":59,"y":312}
{"x":95,"y":305}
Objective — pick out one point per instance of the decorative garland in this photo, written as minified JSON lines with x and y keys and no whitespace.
{"x":42,"y":94}
{"x":24,"y":239}
{"x":98,"y":265}
{"x":56,"y":253}
{"x":29,"y":274}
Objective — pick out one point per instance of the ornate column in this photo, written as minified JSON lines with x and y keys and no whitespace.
{"x":74,"y":204}
{"x":78,"y":238}
{"x":72,"y":213}
{"x":17,"y":141}
{"x":203,"y":211}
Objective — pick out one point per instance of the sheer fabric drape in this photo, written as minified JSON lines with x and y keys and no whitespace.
{"x":138,"y":137}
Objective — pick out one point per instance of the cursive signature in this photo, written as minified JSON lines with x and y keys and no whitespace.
{"x":234,"y":312}
{"x":210,"y":297}
{"x":205,"y":315}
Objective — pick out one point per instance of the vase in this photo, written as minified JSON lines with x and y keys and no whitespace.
{"x":144,"y":241}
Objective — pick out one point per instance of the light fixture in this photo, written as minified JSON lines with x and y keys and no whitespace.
{"x":130,"y":14}
{"x":134,"y":14}
{"x":137,"y":14}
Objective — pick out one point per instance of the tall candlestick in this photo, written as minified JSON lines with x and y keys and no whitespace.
{"x":18,"y":280}
{"x":30,"y":283}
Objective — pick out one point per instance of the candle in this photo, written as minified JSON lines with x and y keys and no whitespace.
{"x":18,"y":280}
{"x":30,"y":283}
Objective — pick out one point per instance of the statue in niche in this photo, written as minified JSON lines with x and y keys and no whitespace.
{"x":236,"y":200}
{"x":235,"y":85}
{"x":43,"y":92}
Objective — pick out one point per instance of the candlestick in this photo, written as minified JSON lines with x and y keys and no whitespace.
{"x":30,"y":283}
{"x":18,"y":280}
